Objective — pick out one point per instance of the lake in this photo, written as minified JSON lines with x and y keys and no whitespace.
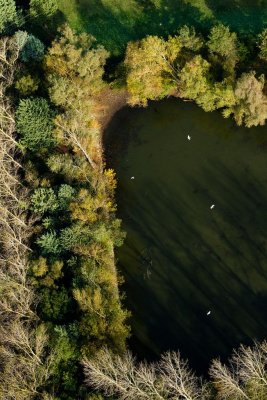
{"x":181,"y":259}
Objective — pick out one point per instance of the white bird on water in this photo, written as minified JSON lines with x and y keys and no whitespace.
{"x":212,"y":206}
{"x":188,"y":137}
{"x":132,"y":177}
{"x":209,"y":312}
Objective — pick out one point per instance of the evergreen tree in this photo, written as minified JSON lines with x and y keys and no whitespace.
{"x":49,"y":243}
{"x":44,"y":199}
{"x":35,"y":124}
{"x":31,"y":48}
{"x":65,"y":195}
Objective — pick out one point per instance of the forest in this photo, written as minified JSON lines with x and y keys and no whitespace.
{"x":63,"y":323}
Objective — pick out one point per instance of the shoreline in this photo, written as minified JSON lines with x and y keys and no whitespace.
{"x":108,"y":102}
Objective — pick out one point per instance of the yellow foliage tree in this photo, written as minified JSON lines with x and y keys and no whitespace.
{"x":151,"y":70}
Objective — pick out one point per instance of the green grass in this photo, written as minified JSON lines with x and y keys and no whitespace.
{"x":115,"y":22}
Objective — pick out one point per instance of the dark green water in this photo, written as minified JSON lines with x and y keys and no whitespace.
{"x":182,"y":259}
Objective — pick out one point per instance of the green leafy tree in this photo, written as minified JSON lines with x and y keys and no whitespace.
{"x":64,"y":340}
{"x":35,"y":124}
{"x":225,"y":45}
{"x":195,"y":78}
{"x":43,"y":200}
{"x":75,"y":69}
{"x":54,"y":304}
{"x":217,"y":95}
{"x":73,"y":168}
{"x":189,"y":39}
{"x":39,"y":8}
{"x":223,"y":42}
{"x":45,"y":273}
{"x":196,"y":84}
{"x":65,"y":195}
{"x":251,"y":103}
{"x":26,"y":85}
{"x":49,"y":243}
{"x":262,"y":43}
{"x":9,"y":18}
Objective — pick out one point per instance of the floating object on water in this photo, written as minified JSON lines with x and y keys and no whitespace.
{"x":212,"y":206}
{"x":132,"y":177}
{"x":188,"y":137}
{"x":209,"y":312}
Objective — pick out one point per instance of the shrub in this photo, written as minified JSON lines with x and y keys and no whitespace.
{"x":35,"y":124}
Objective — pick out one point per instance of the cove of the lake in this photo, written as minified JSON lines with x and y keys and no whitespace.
{"x":182,"y":259}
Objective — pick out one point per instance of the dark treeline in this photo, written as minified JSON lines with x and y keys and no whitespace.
{"x":61,"y":304}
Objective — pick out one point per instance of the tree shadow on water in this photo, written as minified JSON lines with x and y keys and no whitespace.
{"x":202,"y":260}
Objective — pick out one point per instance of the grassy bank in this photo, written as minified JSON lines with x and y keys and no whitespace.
{"x":115,"y":23}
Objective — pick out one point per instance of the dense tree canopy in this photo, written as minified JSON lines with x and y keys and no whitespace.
{"x":251,"y":103}
{"x":156,"y":68}
{"x":75,"y":68}
{"x":195,"y":78}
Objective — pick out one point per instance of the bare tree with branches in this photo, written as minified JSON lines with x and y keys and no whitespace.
{"x":25,"y":363}
{"x":170,"y":378}
{"x":246,"y":376}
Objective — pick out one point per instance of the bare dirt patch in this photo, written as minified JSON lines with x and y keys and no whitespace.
{"x":108,"y":102}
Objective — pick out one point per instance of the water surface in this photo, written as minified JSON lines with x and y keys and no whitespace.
{"x":180,"y":258}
